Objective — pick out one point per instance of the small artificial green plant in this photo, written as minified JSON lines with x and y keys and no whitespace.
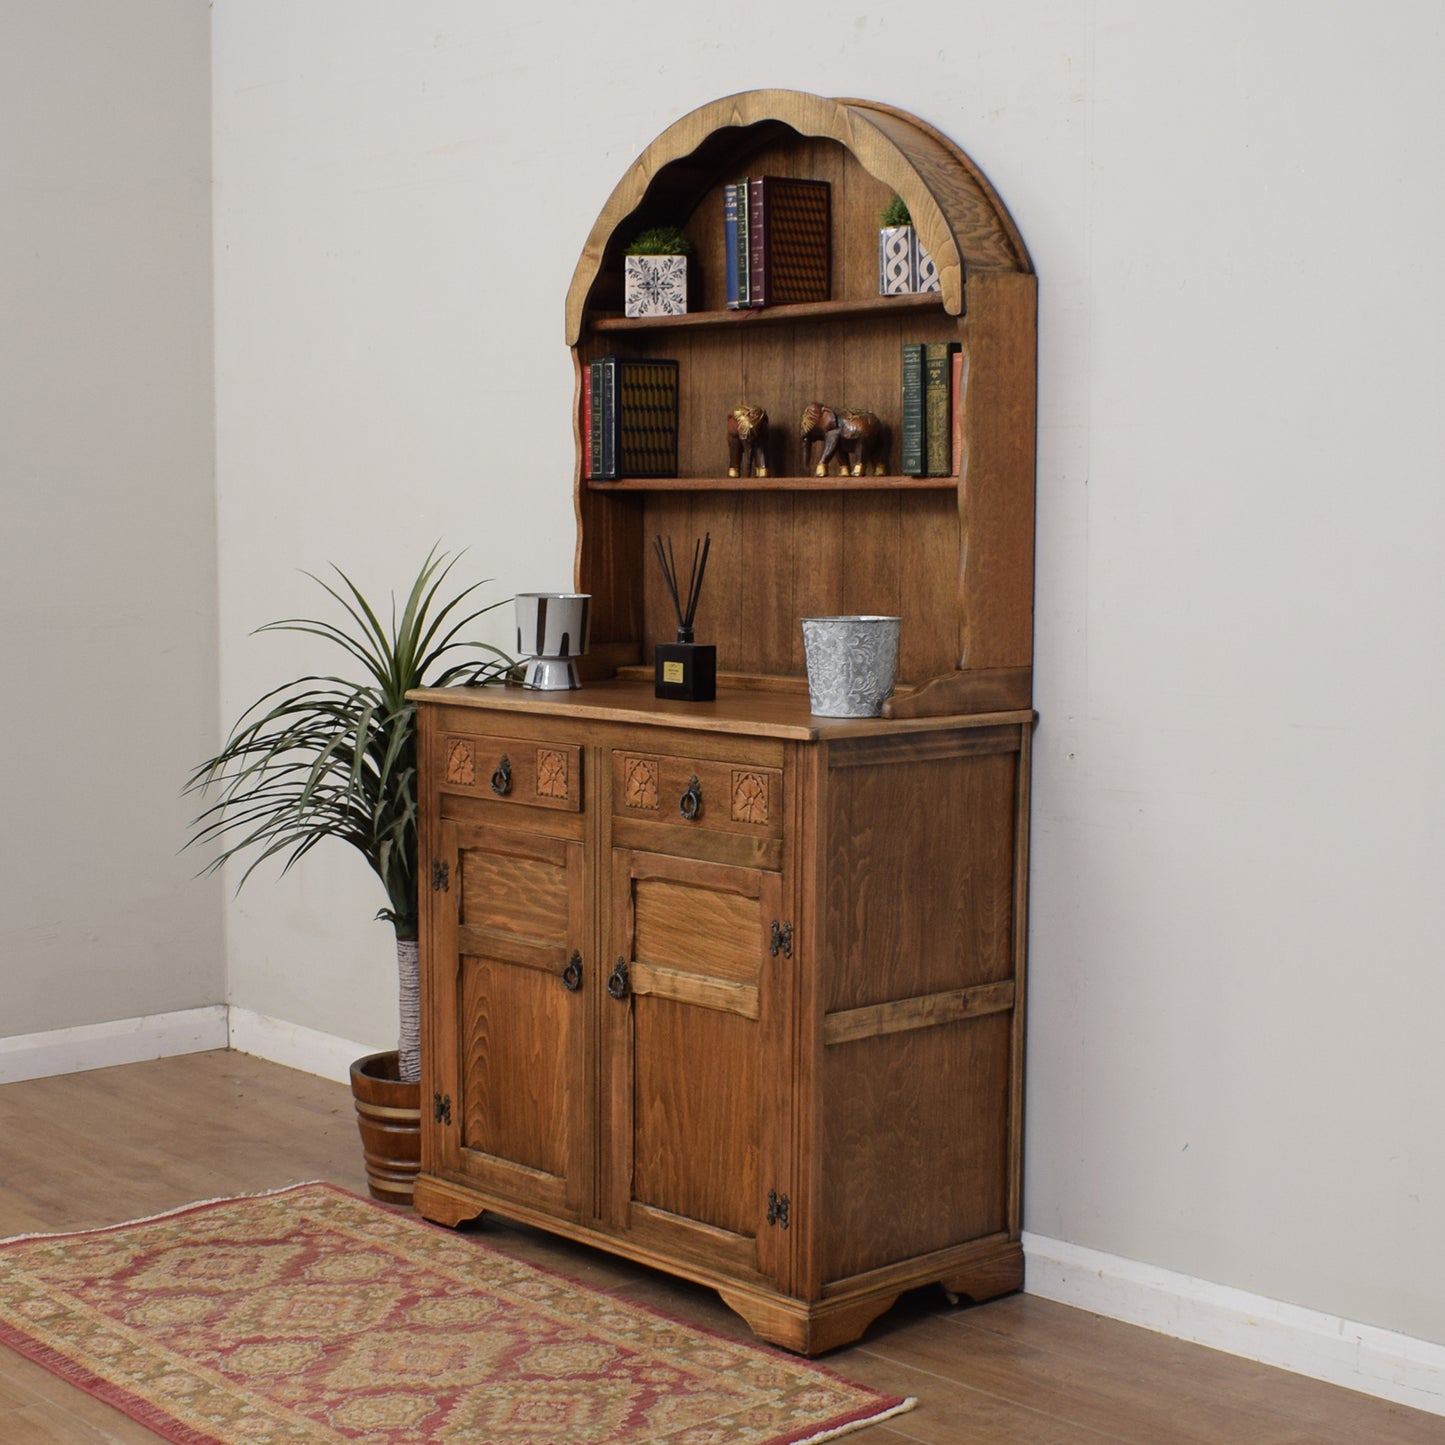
{"x":661,"y":241}
{"x":895,"y":213}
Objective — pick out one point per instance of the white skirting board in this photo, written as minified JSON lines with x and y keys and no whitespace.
{"x":1290,"y":1337}
{"x":119,"y":1041}
{"x":188,"y":1031}
{"x":296,"y":1047}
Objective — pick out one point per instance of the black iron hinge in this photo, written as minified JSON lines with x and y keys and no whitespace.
{"x":782,"y":939}
{"x":441,"y":1108}
{"x":441,"y":876}
{"x":777,"y":1209}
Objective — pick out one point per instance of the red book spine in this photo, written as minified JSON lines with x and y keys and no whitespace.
{"x":960,"y":380}
{"x":757,"y":245}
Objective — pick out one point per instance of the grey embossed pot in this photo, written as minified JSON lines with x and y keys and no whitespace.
{"x":852,"y":663}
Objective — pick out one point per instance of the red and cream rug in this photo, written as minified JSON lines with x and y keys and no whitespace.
{"x":310,"y":1316}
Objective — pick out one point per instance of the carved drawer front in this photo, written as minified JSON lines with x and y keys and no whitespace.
{"x":727,"y":797}
{"x":513,"y":770}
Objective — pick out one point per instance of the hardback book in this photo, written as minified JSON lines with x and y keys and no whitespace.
{"x":911,"y":430}
{"x":938,"y":407}
{"x":742,"y":249}
{"x":956,"y":394}
{"x":607,"y":389}
{"x":790,"y":227}
{"x":586,"y":421}
{"x":594,"y":419}
{"x":730,"y":244}
{"x":638,"y":415}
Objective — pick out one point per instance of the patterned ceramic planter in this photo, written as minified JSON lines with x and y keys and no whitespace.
{"x":904,"y":265}
{"x":852,"y":664}
{"x":655,"y":285}
{"x":552,"y":629}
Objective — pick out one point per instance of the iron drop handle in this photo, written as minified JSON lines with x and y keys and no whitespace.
{"x":572,"y":974}
{"x":690,"y":804}
{"x":617,"y":981}
{"x":502,"y":777}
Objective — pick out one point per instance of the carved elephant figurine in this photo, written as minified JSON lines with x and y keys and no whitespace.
{"x":747,"y":442}
{"x":859,"y":439}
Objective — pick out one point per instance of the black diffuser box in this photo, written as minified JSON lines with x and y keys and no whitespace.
{"x":686,"y":670}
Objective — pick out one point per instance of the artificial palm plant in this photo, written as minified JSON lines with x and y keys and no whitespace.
{"x":332,"y":757}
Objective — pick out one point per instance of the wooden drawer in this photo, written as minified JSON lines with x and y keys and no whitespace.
{"x":512,"y":770}
{"x":698,"y":793}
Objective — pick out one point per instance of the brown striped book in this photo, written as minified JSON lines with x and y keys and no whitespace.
{"x":790,"y":227}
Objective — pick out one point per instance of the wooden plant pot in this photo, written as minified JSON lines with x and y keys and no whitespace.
{"x":388,"y":1114}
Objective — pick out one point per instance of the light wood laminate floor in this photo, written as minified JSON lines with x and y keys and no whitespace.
{"x":90,"y":1149}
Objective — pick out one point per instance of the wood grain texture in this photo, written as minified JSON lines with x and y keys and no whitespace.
{"x":518,"y":1085}
{"x":915,"y":1143}
{"x":1018,"y":1371}
{"x":695,"y":1101}
{"x":888,"y":933}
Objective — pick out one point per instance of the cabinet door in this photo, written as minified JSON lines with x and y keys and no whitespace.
{"x":696,"y":1062}
{"x":516,"y":985}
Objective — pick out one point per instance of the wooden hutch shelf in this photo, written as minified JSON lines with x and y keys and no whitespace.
{"x":810,"y":311}
{"x":726,"y":988}
{"x":830,"y":483}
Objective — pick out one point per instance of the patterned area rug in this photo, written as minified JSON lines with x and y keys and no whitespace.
{"x":310,"y":1315}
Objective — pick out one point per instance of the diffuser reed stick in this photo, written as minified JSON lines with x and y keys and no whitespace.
{"x":668,"y":561}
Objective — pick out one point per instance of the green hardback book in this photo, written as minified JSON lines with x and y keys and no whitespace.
{"x":938,"y":407}
{"x":911,"y":431}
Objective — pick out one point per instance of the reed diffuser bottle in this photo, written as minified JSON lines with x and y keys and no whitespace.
{"x":685,"y":669}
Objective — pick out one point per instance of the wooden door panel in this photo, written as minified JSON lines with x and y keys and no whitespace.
{"x":521,"y":1087}
{"x":693,"y":929}
{"x":516,"y":895}
{"x":698,"y":1113}
{"x":516,"y":1105}
{"x":695,"y":1125}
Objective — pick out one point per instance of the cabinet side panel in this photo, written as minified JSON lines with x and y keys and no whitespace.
{"x":996,"y":500}
{"x":920,"y":870}
{"x":915,"y":1143}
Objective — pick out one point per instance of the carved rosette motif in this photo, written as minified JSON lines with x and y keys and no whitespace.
{"x":750,"y":798}
{"x":461,"y":763}
{"x":551,"y":773}
{"x":640,"y":783}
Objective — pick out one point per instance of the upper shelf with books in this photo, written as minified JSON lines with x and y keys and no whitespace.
{"x":867,"y":151}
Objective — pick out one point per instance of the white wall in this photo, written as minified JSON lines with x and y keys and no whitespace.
{"x":107,"y":548}
{"x":1234,"y":212}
